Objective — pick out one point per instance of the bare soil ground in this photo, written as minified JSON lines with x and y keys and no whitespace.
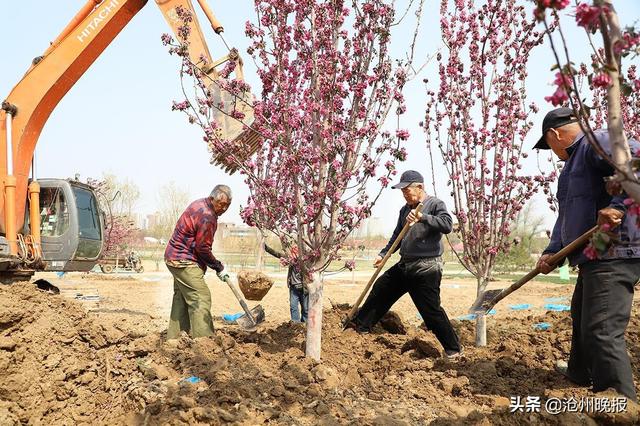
{"x":96,"y":354}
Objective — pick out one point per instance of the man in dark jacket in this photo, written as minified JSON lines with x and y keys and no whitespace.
{"x":187,"y":256}
{"x":298,"y":296}
{"x":601,"y":303}
{"x":419,"y":270}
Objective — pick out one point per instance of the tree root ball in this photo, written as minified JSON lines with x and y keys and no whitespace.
{"x":254,"y":285}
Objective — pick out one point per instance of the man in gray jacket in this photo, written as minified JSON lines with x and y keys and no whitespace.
{"x":419,"y":270}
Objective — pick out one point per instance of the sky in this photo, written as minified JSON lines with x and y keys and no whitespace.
{"x":117,"y":118}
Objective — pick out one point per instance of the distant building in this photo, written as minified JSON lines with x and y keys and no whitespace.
{"x":226,"y":230}
{"x":369,"y":227}
{"x":139,"y":221}
{"x":152,"y":221}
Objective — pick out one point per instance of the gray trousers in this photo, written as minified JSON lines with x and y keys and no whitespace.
{"x":600,"y":311}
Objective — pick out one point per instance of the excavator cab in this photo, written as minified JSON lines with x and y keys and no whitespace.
{"x":71,"y":225}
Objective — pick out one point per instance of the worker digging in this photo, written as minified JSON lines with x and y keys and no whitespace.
{"x":332,"y":254}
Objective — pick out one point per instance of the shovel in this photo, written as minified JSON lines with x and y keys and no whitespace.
{"x":252,"y":317}
{"x":354,"y":310}
{"x":488,"y":299}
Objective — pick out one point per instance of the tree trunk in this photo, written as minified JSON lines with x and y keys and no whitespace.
{"x":481,"y":330}
{"x":314,"y":318}
{"x":260,"y":253}
{"x":620,"y":151}
{"x":481,"y":319}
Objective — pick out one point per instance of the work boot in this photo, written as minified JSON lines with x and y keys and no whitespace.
{"x":453,"y":355}
{"x":353,"y":324}
{"x":563,"y":368}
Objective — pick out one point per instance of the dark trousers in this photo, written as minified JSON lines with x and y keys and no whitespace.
{"x":600,"y":311}
{"x":421,"y":279}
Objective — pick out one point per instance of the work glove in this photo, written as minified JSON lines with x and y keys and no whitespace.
{"x":223,"y":276}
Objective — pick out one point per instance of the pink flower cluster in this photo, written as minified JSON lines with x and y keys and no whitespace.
{"x":563,"y":83}
{"x":350,"y":265}
{"x":602,"y":80}
{"x":543,"y":5}
{"x":633,"y":208}
{"x":629,"y":41}
{"x":590,"y":252}
{"x":120,"y":230}
{"x":589,"y":16}
{"x":629,"y":101}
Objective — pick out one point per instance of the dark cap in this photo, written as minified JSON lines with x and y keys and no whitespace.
{"x":554,"y":119}
{"x":407,"y":178}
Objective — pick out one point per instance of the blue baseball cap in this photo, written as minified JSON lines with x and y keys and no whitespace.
{"x":407,"y":178}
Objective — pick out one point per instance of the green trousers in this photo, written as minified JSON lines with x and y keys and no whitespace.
{"x":191,"y":306}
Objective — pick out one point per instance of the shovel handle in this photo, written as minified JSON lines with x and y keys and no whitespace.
{"x":395,"y":244}
{"x":236,"y":293}
{"x":553,"y":261}
{"x":578,"y":242}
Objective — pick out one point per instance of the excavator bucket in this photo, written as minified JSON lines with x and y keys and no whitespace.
{"x":244,"y":139}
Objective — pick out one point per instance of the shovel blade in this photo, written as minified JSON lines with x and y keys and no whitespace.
{"x":257,"y":312}
{"x":484,"y":302}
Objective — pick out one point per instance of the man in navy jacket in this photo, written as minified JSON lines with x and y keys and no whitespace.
{"x":601,"y":303}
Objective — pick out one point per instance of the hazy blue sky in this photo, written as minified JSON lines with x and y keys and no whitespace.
{"x":117,"y":118}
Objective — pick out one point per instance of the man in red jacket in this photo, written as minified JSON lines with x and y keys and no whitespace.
{"x":187,"y":256}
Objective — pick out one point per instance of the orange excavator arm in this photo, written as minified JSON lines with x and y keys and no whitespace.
{"x":30,"y":103}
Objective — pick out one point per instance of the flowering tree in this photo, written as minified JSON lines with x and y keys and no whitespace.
{"x":328,"y":84}
{"x":478,"y":119}
{"x":606,"y":77}
{"x":630,"y":99}
{"x":119,"y":227}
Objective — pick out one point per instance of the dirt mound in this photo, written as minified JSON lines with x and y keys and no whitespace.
{"x":60,"y":365}
{"x":56,"y":364}
{"x":254,"y":285}
{"x":392,"y":323}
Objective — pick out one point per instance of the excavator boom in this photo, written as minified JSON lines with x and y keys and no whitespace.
{"x":27,"y":108}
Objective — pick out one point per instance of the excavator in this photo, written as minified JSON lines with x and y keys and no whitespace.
{"x":57,"y":224}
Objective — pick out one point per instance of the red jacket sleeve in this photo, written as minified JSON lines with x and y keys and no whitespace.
{"x":203,"y":243}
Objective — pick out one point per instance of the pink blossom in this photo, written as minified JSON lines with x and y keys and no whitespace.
{"x":602,"y":80}
{"x":402,"y":134}
{"x":166,"y":39}
{"x":629,"y":40}
{"x":590,"y":252}
{"x":558,"y":98}
{"x":562,"y":80}
{"x":588,"y":16}
{"x":180,"y":106}
{"x":328,"y":85}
